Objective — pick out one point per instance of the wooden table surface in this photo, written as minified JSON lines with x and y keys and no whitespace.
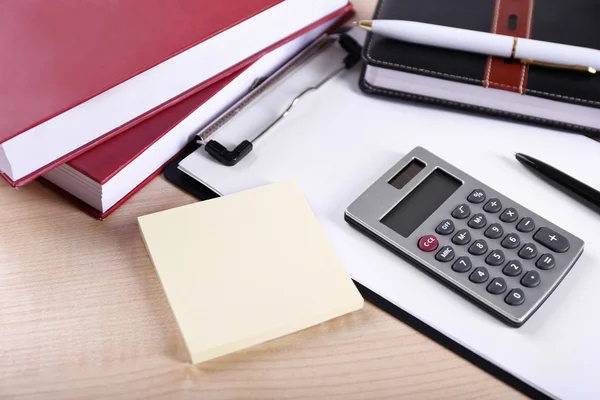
{"x":82,"y":316}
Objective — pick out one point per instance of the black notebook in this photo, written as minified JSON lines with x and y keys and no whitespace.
{"x":564,"y":99}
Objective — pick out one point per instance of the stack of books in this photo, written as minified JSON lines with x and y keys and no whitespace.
{"x":95,"y":95}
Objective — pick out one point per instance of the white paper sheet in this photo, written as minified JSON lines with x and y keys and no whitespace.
{"x":336,"y":143}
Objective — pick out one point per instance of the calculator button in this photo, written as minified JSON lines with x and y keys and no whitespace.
{"x":478,"y":247}
{"x":546,"y":261}
{"x":513,"y":268}
{"x":428,"y":243}
{"x":526,"y":225}
{"x":516,"y":297}
{"x":478,"y":221}
{"x":461,"y":237}
{"x":445,"y":254}
{"x":495,"y":258}
{"x":531,"y":279}
{"x":511,"y":241}
{"x":509,"y":215}
{"x":497,"y":286}
{"x":494,"y":231}
{"x":463,"y":264}
{"x":552,"y":240}
{"x":480,"y":275}
{"x":446,"y":227}
{"x":461,"y":212}
{"x":477,"y":196}
{"x":492,"y":206}
{"x":528,"y":251}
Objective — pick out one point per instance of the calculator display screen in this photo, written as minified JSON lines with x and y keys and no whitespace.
{"x":421,"y":202}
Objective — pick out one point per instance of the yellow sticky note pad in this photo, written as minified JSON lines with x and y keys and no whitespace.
{"x":246,"y":268}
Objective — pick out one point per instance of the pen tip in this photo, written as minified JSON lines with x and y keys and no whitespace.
{"x":366,"y":25}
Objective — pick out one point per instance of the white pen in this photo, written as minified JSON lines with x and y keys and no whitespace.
{"x":527,"y":51}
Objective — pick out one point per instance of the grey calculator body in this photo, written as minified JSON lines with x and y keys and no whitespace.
{"x":487,"y":247}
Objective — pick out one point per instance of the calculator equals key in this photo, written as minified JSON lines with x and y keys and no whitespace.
{"x":497,"y":253}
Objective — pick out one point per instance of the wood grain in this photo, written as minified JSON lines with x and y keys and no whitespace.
{"x":83,"y":315}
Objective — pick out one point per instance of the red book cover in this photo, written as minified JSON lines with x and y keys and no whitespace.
{"x":104,"y":161}
{"x":62,"y":54}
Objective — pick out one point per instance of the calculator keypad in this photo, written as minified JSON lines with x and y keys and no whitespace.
{"x":480,"y":275}
{"x":509,"y":215}
{"x":495,"y":258}
{"x":528,"y":251}
{"x":497,"y":286}
{"x":513,"y":268}
{"x":492,"y":206}
{"x":461,"y":237}
{"x":516,"y":297}
{"x":478,"y":221}
{"x":446,"y":227}
{"x":546,"y":262}
{"x":462,"y":264}
{"x":446,"y":254}
{"x":531,"y":279}
{"x":461,"y":211}
{"x":494,"y":231}
{"x":511,"y":241}
{"x":551,"y":240}
{"x":526,"y":225}
{"x":478,"y":248}
{"x":477,"y":196}
{"x":520,"y":271}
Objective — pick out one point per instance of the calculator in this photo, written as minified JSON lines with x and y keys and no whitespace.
{"x":500,"y":255}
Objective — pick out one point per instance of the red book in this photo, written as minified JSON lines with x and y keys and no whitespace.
{"x":103,"y":178}
{"x":76,"y":73}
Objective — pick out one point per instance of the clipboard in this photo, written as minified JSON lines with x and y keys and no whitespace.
{"x":202,"y":192}
{"x":428,"y":328}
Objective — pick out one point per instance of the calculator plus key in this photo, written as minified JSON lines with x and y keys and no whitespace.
{"x":480,"y":275}
{"x":446,"y":227}
{"x":511,"y":241}
{"x":495,"y":258}
{"x":478,"y":221}
{"x":497,"y":286}
{"x":494,"y":231}
{"x":545,"y":262}
{"x":477,"y":196}
{"x":531,"y":279}
{"x":445,"y":254}
{"x":478,"y":248}
{"x":526,"y":225}
{"x":492,"y":206}
{"x":513,"y":268}
{"x":461,"y":237}
{"x":516,"y":297}
{"x":509,"y":215}
{"x":552,"y":240}
{"x":463,"y":264}
{"x":528,"y":251}
{"x":461,"y":212}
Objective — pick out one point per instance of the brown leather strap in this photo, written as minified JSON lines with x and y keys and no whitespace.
{"x":513,"y":18}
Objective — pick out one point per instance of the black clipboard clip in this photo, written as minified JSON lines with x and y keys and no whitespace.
{"x":228,"y":157}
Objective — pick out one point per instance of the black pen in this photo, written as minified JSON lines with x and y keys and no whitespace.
{"x":564,"y":181}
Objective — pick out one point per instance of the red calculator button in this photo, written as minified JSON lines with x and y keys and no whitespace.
{"x":428,"y":243}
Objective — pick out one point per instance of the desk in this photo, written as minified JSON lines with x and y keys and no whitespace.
{"x":83,"y":315}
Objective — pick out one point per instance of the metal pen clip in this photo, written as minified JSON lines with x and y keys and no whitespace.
{"x":578,"y":68}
